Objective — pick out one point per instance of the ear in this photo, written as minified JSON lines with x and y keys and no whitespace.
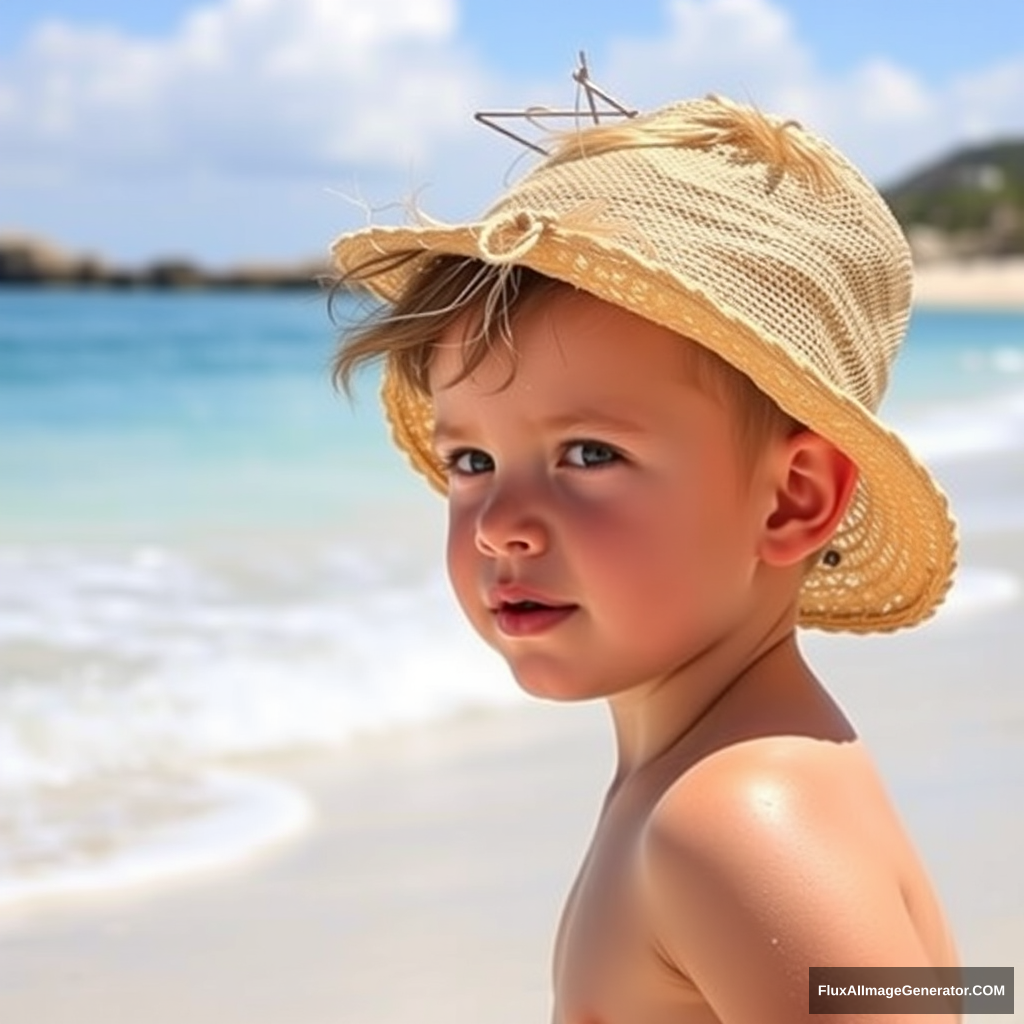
{"x":813,"y":485}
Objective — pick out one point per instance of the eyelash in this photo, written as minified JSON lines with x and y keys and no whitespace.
{"x":450,"y":460}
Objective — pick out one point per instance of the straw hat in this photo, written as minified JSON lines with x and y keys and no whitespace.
{"x":761,"y":242}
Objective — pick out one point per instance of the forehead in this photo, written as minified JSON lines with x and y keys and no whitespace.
{"x":564,"y":338}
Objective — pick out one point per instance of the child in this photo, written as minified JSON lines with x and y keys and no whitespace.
{"x":646,"y":381}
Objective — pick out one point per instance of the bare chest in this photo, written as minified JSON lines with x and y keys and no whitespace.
{"x":608,"y":968}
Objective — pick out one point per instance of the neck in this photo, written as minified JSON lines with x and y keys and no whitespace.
{"x":660,"y":715}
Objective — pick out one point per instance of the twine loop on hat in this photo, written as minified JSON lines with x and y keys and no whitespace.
{"x":509,"y":238}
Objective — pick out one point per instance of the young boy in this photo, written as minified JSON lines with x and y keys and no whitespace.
{"x":646,"y":381}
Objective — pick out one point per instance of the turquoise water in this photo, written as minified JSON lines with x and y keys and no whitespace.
{"x":151,"y":414}
{"x":952,"y":355}
{"x":207,"y":555}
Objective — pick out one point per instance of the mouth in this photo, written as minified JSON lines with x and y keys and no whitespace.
{"x":530,"y":618}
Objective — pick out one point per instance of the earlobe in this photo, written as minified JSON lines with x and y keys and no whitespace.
{"x":812,"y":490}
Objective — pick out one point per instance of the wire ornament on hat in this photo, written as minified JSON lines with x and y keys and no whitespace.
{"x":534,"y":115}
{"x":781,"y":145}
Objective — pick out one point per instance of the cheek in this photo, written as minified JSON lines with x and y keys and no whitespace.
{"x":461,"y":557}
{"x":675,"y":556}
{"x":633,"y":561}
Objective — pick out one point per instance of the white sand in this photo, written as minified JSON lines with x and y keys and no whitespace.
{"x":427,"y":892}
{"x":971,"y":284}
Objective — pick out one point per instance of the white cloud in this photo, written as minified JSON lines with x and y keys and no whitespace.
{"x":243,"y":86}
{"x":883,"y":93}
{"x":319,"y":87}
{"x":883,"y":114}
{"x":991,"y":102}
{"x":745,"y":48}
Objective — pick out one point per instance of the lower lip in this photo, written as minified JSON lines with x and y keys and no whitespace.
{"x":530,"y":623}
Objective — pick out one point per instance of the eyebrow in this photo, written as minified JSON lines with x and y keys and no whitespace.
{"x":579,"y":421}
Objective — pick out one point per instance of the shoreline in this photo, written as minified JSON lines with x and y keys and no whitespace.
{"x":973,"y":283}
{"x":234,"y":816}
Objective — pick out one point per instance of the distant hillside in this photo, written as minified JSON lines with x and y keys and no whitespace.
{"x":969,"y":204}
{"x":31,"y":261}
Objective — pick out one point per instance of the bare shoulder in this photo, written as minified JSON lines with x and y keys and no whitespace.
{"x":779,"y":787}
{"x":778,"y":812}
{"x":776,"y":854}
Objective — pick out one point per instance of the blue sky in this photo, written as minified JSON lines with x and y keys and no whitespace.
{"x":257,"y":129}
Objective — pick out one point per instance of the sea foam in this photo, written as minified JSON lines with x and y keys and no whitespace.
{"x":130,"y":678}
{"x":232,"y":817}
{"x":154,"y":661}
{"x":965,"y":429}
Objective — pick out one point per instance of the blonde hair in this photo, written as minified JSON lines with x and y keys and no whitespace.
{"x":486,"y":299}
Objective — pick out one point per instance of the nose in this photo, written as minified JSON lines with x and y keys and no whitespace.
{"x":510,"y":523}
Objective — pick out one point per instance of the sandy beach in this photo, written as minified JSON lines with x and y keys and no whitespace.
{"x":428,"y":887}
{"x":971,"y":284}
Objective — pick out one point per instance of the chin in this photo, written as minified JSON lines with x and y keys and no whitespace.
{"x":553,"y":687}
{"x":552,"y":694}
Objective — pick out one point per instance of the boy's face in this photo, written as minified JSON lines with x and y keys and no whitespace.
{"x":602,"y":484}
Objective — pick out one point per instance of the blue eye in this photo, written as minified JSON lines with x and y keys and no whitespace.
{"x":591,"y":453}
{"x":468,"y":462}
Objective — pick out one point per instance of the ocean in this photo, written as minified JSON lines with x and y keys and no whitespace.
{"x":208,"y":558}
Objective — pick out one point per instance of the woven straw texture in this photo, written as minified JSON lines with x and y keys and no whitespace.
{"x":762,"y":243}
